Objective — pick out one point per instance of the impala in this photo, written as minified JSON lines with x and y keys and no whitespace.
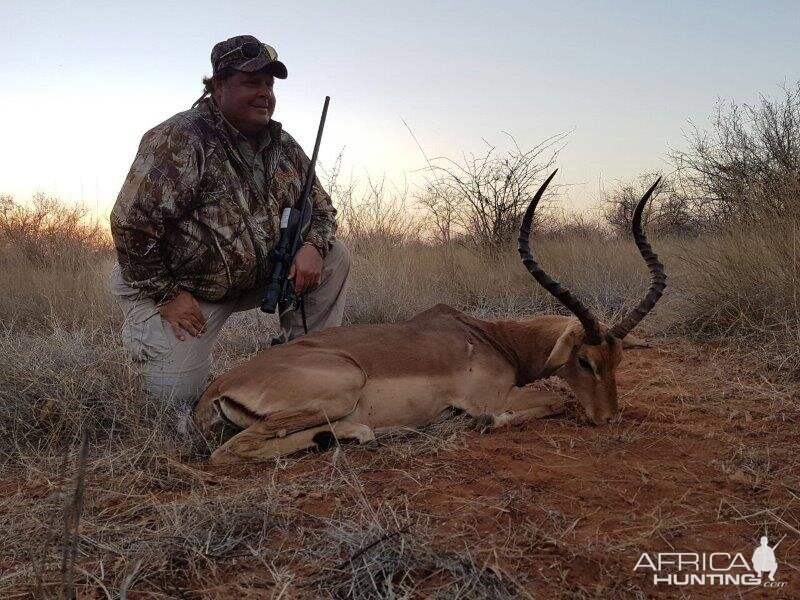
{"x":351,"y":382}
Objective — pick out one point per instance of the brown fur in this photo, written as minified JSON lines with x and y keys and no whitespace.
{"x":406,"y":374}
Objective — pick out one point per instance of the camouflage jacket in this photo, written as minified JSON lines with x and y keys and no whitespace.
{"x":191,"y":216}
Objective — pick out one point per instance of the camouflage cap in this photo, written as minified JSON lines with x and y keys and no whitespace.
{"x":246,"y":53}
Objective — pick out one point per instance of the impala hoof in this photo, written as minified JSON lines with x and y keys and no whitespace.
{"x":221,"y":456}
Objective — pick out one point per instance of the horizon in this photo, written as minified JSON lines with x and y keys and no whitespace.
{"x":623,"y":80}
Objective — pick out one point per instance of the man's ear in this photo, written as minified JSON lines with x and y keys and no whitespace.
{"x":630,"y":342}
{"x":560,"y":353}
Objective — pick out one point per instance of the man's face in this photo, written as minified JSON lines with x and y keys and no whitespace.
{"x":247,"y":100}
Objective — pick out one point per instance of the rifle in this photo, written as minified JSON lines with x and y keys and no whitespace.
{"x":279,"y":290}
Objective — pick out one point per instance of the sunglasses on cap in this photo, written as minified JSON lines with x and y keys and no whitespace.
{"x":250,"y":50}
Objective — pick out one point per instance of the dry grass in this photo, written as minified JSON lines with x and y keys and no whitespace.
{"x":702,"y":456}
{"x":743,"y":284}
{"x":51,"y":266}
{"x":394,"y":283}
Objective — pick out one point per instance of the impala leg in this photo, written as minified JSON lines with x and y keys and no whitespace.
{"x":253,"y":445}
{"x":526,"y":404}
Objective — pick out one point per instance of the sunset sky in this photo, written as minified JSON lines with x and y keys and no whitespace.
{"x":82,"y":81}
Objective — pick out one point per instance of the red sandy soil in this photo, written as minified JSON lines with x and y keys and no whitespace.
{"x":703,"y":459}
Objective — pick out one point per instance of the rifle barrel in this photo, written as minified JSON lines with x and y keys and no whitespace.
{"x":278,"y":288}
{"x":313,"y":163}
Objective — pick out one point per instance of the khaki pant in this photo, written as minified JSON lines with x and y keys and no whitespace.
{"x":176,"y":371}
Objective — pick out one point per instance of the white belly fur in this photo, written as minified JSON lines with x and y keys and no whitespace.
{"x":413,"y":401}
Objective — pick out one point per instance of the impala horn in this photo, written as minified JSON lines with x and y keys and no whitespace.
{"x":585,"y":316}
{"x":658,"y":278}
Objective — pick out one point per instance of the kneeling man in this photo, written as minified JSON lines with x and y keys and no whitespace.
{"x":198,"y":215}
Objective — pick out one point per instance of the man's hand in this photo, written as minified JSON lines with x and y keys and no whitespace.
{"x":183,"y":314}
{"x":306,"y":269}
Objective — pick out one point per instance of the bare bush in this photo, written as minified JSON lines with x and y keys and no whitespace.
{"x":53,"y":261}
{"x":669,"y":213}
{"x":747,"y":164}
{"x":571,"y":225}
{"x":482,"y":198}
{"x":370,"y":215}
{"x":49,"y":230}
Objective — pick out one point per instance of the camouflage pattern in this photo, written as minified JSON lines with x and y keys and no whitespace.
{"x":191,"y":215}
{"x":229,"y":54}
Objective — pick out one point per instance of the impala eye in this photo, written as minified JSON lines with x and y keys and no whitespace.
{"x":585,"y":364}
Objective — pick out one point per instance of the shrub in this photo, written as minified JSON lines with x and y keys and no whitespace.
{"x":747,"y":164}
{"x":53,"y":261}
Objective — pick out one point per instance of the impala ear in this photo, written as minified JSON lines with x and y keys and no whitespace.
{"x":630,"y":342}
{"x":560,"y":353}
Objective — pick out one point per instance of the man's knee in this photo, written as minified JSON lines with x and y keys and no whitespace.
{"x":171,"y":370}
{"x":144,"y":337}
{"x":177,"y":388}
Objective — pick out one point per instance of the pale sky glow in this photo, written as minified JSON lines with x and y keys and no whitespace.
{"x":82,"y":81}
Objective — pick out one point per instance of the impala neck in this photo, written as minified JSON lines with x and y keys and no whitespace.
{"x":529,"y":342}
